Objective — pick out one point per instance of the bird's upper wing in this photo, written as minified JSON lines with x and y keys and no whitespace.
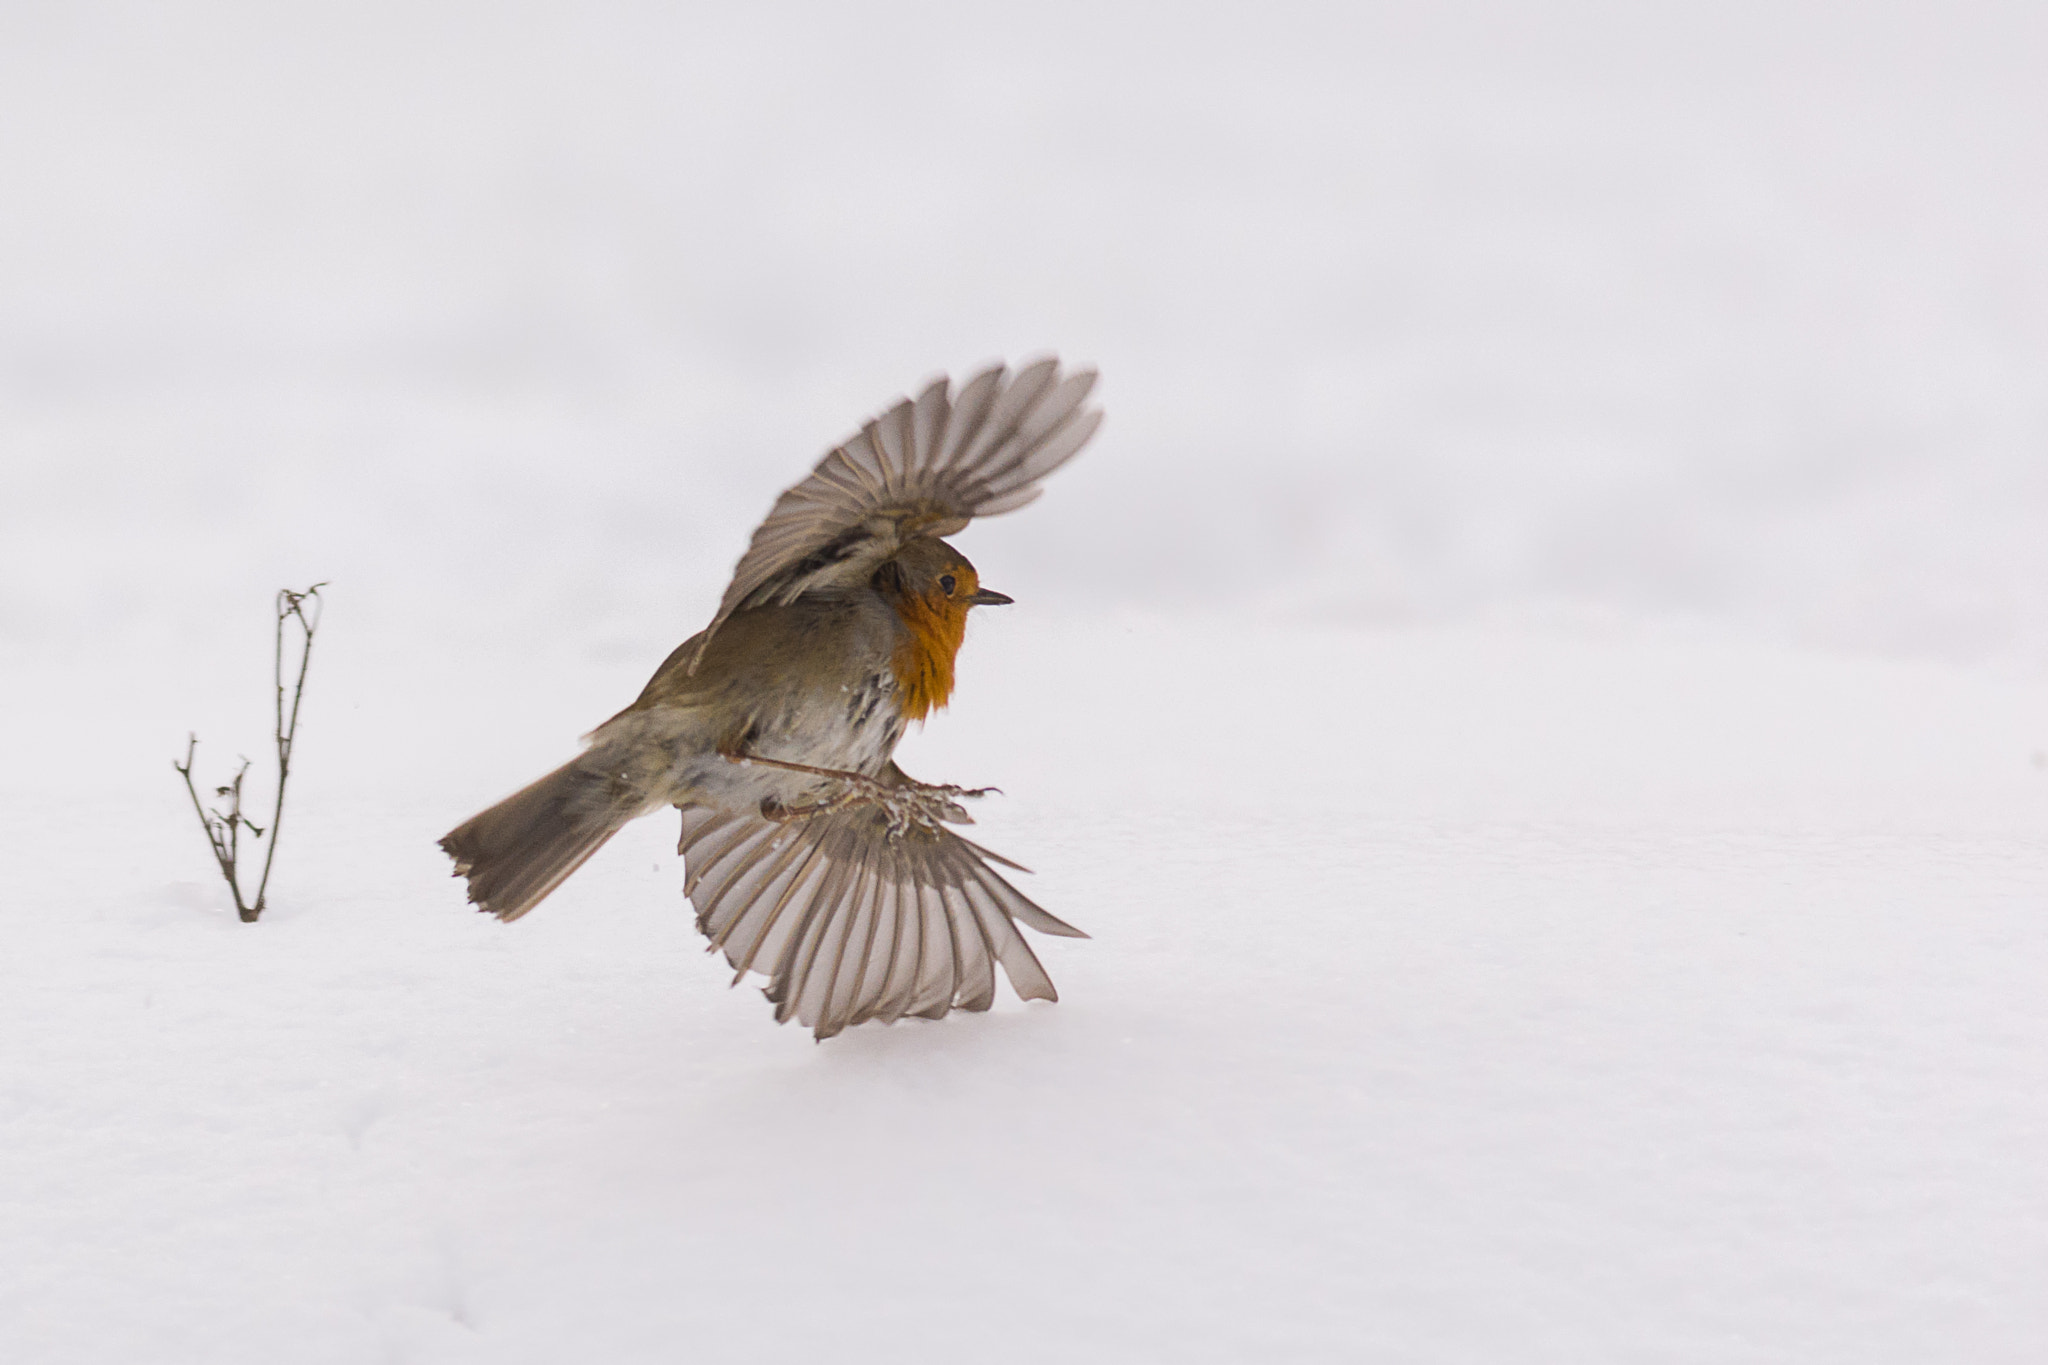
{"x":850,"y":925}
{"x":926,"y":467}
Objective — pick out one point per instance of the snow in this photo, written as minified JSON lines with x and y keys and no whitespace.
{"x":1483,"y":995}
{"x":1536,"y":693}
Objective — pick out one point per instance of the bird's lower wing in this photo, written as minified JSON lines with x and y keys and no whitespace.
{"x":850,"y":925}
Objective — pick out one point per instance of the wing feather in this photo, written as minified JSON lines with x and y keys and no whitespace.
{"x":922,"y":468}
{"x":841,"y":987}
{"x":775,"y":932}
{"x":878,"y":953}
{"x":969,"y":412}
{"x":889,"y":955}
{"x":1006,"y":416}
{"x":931,"y":417}
{"x":920,"y":987}
{"x":1032,"y":425}
{"x":977,"y":963}
{"x":894,"y":435}
{"x":815,"y":979}
{"x":793,"y":966}
{"x":751,"y":868}
{"x":1027,"y":974}
{"x":716,"y":836}
{"x":850,"y":925}
{"x":908,"y":966}
{"x":1016,"y":905}
{"x":940,"y":981}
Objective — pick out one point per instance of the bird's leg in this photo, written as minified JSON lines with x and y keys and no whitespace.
{"x":903,"y":804}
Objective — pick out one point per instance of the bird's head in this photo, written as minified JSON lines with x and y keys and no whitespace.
{"x":935,"y":574}
{"x":932,"y":587}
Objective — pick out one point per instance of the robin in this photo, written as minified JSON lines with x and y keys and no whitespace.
{"x":809,"y":856}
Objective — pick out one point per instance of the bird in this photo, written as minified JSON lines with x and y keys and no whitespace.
{"x":810,"y":857}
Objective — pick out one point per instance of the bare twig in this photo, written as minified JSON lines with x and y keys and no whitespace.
{"x":223,"y":828}
{"x":291,"y":606}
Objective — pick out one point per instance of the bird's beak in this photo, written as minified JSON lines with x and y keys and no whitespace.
{"x":988,"y":598}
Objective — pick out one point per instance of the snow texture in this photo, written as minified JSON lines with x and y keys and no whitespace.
{"x":1537,"y":691}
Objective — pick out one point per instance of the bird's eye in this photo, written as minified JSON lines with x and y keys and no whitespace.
{"x":947,"y":582}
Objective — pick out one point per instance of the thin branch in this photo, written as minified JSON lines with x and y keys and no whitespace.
{"x":291,"y":606}
{"x":221,"y":832}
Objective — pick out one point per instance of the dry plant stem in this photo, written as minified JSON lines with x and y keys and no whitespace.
{"x":291,"y":606}
{"x":223,"y":828}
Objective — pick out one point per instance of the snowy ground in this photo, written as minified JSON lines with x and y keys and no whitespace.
{"x":1537,"y":692}
{"x":1477,"y":996}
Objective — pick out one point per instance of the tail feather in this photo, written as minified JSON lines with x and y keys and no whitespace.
{"x":521,"y":849}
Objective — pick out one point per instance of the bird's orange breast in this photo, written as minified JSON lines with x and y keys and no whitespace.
{"x":923,"y":662}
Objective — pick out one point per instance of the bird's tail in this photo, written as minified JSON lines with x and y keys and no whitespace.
{"x":521,"y":849}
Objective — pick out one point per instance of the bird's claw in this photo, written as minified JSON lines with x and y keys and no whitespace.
{"x":914,"y":805}
{"x":905,"y":806}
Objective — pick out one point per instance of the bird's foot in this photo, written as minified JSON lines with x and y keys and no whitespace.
{"x":917,"y":803}
{"x":905,"y":805}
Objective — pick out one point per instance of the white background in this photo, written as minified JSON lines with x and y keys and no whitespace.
{"x":1537,"y":689}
